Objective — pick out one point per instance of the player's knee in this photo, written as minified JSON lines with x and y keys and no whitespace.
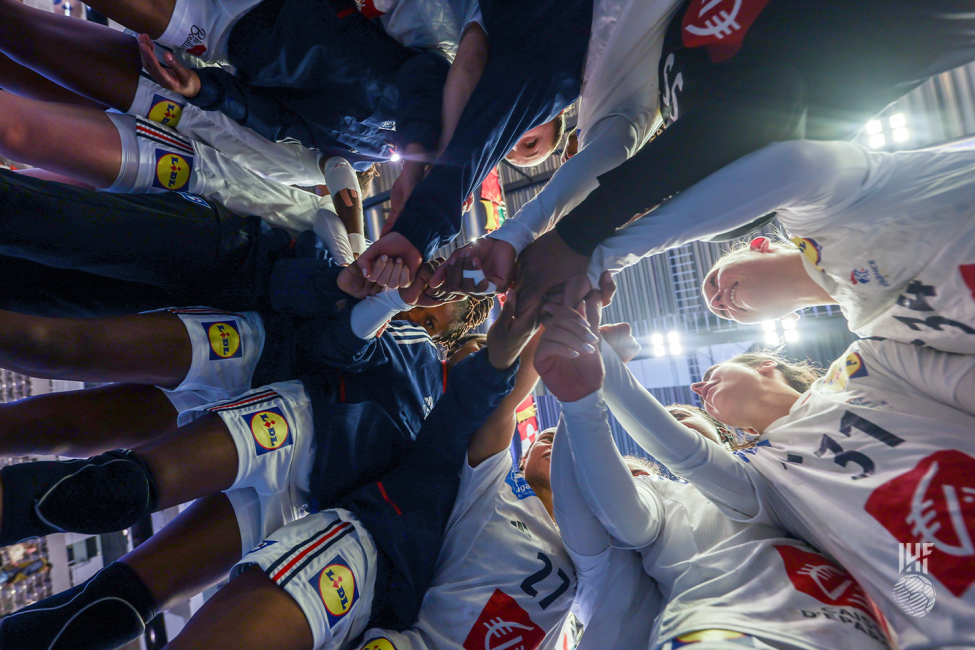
{"x":14,"y":139}
{"x":55,"y":346}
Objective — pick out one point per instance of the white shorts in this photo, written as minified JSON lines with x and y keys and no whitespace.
{"x":274,"y":434}
{"x":202,"y":27}
{"x":289,"y":163}
{"x":327,"y":562}
{"x":711,"y":641}
{"x":226,"y":348}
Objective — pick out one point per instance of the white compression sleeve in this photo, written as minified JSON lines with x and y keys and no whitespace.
{"x":782,"y":175}
{"x":578,"y":524}
{"x":712,"y":469}
{"x":371,"y":313}
{"x":332,"y":231}
{"x":339,"y":175}
{"x":603,"y":476}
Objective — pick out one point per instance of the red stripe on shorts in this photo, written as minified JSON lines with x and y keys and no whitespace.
{"x":283,"y":570}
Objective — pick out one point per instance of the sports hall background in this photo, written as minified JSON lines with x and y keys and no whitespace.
{"x":660,"y":297}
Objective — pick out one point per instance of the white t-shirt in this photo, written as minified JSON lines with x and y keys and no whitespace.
{"x":502,"y":572}
{"x":716,"y":573}
{"x":429,"y":24}
{"x":891,"y":237}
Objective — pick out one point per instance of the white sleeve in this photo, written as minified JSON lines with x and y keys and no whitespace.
{"x":339,"y":175}
{"x":941,"y":376}
{"x":629,"y":515}
{"x":783,"y":175}
{"x":289,"y":163}
{"x":713,"y":470}
{"x":581,"y":531}
{"x":611,"y":142}
{"x":372,"y":312}
{"x":218,"y":177}
{"x":329,"y":227}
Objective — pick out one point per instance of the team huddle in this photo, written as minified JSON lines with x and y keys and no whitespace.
{"x":343,"y":435}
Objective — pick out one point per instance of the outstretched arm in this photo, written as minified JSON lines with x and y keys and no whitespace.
{"x":579,"y":526}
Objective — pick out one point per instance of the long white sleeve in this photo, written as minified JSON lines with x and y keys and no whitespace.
{"x":330,"y":228}
{"x":604,"y":478}
{"x":799,"y":177}
{"x":712,"y":470}
{"x":372,"y":312}
{"x":580,"y":528}
{"x":610,"y":143}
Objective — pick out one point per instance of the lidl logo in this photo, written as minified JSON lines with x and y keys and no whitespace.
{"x":379,"y":644}
{"x":270,"y":430}
{"x":809,"y":248}
{"x":224,"y":338}
{"x":842,"y":370}
{"x":337,"y":588}
{"x":165,"y":111}
{"x":172,"y":170}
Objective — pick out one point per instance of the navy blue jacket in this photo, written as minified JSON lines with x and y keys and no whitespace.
{"x":534,"y":71}
{"x":337,"y":84}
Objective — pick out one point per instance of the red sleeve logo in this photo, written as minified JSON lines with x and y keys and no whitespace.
{"x":815,"y":576}
{"x":720,"y":25}
{"x":934,"y":504}
{"x":503,"y":625}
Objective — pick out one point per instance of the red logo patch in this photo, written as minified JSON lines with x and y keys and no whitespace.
{"x":934,"y":503}
{"x":197,"y":50}
{"x":720,"y":25}
{"x":503,"y":624}
{"x":815,"y":576}
{"x":968,"y":275}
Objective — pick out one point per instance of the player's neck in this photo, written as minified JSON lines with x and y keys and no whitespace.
{"x":774,"y":404}
{"x":544,"y":492}
{"x":792,"y":273}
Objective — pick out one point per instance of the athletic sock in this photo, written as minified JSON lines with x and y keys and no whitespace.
{"x":102,"y":494}
{"x":107,"y":611}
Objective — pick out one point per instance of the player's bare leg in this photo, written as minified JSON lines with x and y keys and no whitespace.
{"x":149,"y":348}
{"x":21,"y":80}
{"x":227,"y":621}
{"x":105,"y":63}
{"x":83,"y":423}
{"x":82,"y":143}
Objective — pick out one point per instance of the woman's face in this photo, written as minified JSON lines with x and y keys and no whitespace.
{"x":435,"y":320}
{"x":695,"y":421}
{"x":748,"y":289}
{"x":535,"y":146}
{"x":538,"y":462}
{"x":729,"y":392}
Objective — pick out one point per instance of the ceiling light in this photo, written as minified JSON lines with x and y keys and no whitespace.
{"x":791,"y":336}
{"x":676,"y":349}
{"x":897,"y":121}
{"x":900,"y":135}
{"x":874,"y":126}
{"x":877,"y":141}
{"x":772,"y":338}
{"x":659,"y":351}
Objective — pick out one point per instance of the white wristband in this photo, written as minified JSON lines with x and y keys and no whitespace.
{"x":477,"y":275}
{"x":371,"y":313}
{"x":358,"y":243}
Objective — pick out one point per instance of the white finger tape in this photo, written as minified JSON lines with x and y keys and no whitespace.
{"x":477,"y":275}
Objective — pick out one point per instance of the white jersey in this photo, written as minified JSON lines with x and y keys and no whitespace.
{"x":503,"y":578}
{"x":715,"y":573}
{"x":870,"y":468}
{"x":891,"y":237}
{"x":428,"y":24}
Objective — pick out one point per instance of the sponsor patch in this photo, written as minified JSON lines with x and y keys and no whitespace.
{"x":193,"y":198}
{"x":165,"y":111}
{"x":270,"y":430}
{"x":843,"y":370}
{"x":809,"y":248}
{"x":815,"y":576}
{"x":503,"y":623}
{"x":379,"y":644}
{"x":968,"y":275}
{"x":224,"y":339}
{"x":172,"y":170}
{"x":519,"y":486}
{"x":934,"y":505}
{"x":720,"y":25}
{"x":336,"y":586}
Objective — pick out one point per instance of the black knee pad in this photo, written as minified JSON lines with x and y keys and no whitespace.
{"x":102,"y":494}
{"x":105,"y":612}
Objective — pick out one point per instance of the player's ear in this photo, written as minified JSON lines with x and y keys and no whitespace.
{"x":760,"y":244}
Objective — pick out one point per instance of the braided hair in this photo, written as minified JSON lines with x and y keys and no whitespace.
{"x":470,"y":312}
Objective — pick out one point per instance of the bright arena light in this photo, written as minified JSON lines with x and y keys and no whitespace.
{"x":673,"y":337}
{"x":877,"y":141}
{"x":676,"y":349}
{"x":874,"y":126}
{"x":771,"y":338}
{"x":791,"y":336}
{"x":788,"y":325}
{"x":900,"y":135}
{"x":657,"y":339}
{"x":396,"y":157}
{"x":659,"y":351}
{"x":898,"y":121}
{"x":768,"y":326}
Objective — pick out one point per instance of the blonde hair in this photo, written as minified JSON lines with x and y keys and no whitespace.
{"x":799,"y":375}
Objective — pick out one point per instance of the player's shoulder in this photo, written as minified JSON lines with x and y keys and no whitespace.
{"x":401,"y":332}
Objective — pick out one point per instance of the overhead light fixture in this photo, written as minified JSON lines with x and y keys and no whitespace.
{"x":673,"y":337}
{"x":877,"y":141}
{"x":771,"y":338}
{"x":791,"y":336}
{"x":900,"y":135}
{"x":659,"y":351}
{"x":874,"y":126}
{"x":395,"y":157}
{"x":768,"y":326}
{"x":896,"y":121}
{"x":676,"y":349}
{"x":788,"y":324}
{"x":657,"y":339}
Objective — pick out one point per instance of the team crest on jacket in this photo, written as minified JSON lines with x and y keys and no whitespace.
{"x":503,"y":624}
{"x":934,"y":504}
{"x":172,"y":170}
{"x":336,"y":586}
{"x":809,"y":248}
{"x":224,"y":339}
{"x":165,"y":111}
{"x":270,"y":430}
{"x":842,"y":370}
